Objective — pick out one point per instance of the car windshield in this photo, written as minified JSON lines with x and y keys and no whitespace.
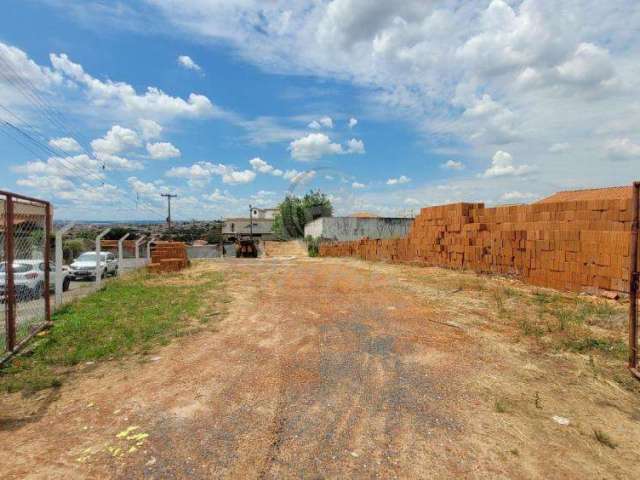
{"x":17,"y":267}
{"x":90,"y":257}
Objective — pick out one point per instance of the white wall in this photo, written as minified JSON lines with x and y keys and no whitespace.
{"x":314,"y":228}
{"x":353,"y":228}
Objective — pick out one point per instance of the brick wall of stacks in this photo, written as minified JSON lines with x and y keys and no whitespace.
{"x":168,"y":257}
{"x":577,"y":245}
{"x":128,"y":246}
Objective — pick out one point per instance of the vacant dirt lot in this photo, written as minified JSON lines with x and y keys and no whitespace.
{"x":334,"y":368}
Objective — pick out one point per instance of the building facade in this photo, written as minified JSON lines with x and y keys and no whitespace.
{"x":261,"y":226}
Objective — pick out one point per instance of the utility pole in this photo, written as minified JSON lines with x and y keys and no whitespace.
{"x":250,"y":222}
{"x":169,"y":196}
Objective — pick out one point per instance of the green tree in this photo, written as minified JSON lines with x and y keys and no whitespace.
{"x":116,"y":233}
{"x":72,"y":248}
{"x":294,"y":213}
{"x":316,"y":204}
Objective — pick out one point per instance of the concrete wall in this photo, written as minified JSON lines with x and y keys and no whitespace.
{"x":242,"y":226}
{"x":344,"y":229}
{"x":210,"y":251}
{"x":314,"y":228}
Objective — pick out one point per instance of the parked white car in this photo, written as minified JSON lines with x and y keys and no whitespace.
{"x":28,"y":278}
{"x":85,"y":265}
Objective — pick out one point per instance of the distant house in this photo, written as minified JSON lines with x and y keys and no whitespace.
{"x":237,"y":227}
{"x":264,"y":213}
{"x":363,"y":215}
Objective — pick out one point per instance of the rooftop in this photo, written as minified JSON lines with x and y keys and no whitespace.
{"x":607,"y":193}
{"x":247,"y":219}
{"x":363,"y":215}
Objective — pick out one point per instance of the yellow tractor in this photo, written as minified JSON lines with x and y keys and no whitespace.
{"x":246,"y":248}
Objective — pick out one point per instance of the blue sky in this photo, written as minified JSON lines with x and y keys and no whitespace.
{"x":387,"y":107}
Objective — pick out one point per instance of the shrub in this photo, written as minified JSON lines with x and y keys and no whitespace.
{"x":313,"y":245}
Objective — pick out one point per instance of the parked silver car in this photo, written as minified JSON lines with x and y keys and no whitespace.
{"x":28,"y":278}
{"x":85,"y":266}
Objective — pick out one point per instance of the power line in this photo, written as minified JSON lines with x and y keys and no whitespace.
{"x":77,"y":170}
{"x":30,"y":92}
{"x":64,"y":163}
{"x":49,"y":151}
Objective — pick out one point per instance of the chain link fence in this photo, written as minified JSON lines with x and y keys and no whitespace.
{"x":25,"y":268}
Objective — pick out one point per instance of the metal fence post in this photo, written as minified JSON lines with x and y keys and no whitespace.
{"x":138,"y":242}
{"x":120,"y":252}
{"x":98,"y":256}
{"x":10,"y":294}
{"x":47,"y":263}
{"x":633,"y":283}
{"x":152,"y":239}
{"x":59,"y":260}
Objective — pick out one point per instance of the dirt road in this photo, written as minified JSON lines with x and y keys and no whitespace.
{"x":329,"y":368}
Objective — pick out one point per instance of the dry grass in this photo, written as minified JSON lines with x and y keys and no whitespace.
{"x":543,"y":320}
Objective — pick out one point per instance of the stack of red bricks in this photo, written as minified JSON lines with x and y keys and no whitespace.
{"x":168,"y":257}
{"x":573,"y":245}
{"x":112,"y":246}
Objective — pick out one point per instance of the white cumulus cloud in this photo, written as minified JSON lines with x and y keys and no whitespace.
{"x":187,"y":62}
{"x":115,"y":162}
{"x":355,"y":146}
{"x":162,"y":150}
{"x":116,"y":140}
{"x":326,"y":122}
{"x":200,"y":173}
{"x":238,"y":176}
{"x":398,"y":181}
{"x":150,"y":129}
{"x":66,"y":144}
{"x":294,"y":176}
{"x":262,"y":166}
{"x":152,"y":103}
{"x":589,"y":65}
{"x":147,"y":189}
{"x":452,"y":165}
{"x":623,"y":149}
{"x":313,"y":146}
{"x":502,"y":165}
{"x":219,"y":196}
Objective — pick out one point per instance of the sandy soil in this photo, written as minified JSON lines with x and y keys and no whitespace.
{"x":330,"y":368}
{"x":280,"y":249}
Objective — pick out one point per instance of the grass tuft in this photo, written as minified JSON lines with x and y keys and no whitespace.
{"x":604,"y":438}
{"x":616,"y":348}
{"x":501,"y":406}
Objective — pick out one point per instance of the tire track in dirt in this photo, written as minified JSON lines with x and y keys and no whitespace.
{"x":277,"y":429}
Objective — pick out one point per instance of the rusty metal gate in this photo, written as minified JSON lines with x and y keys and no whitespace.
{"x":25,"y":269}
